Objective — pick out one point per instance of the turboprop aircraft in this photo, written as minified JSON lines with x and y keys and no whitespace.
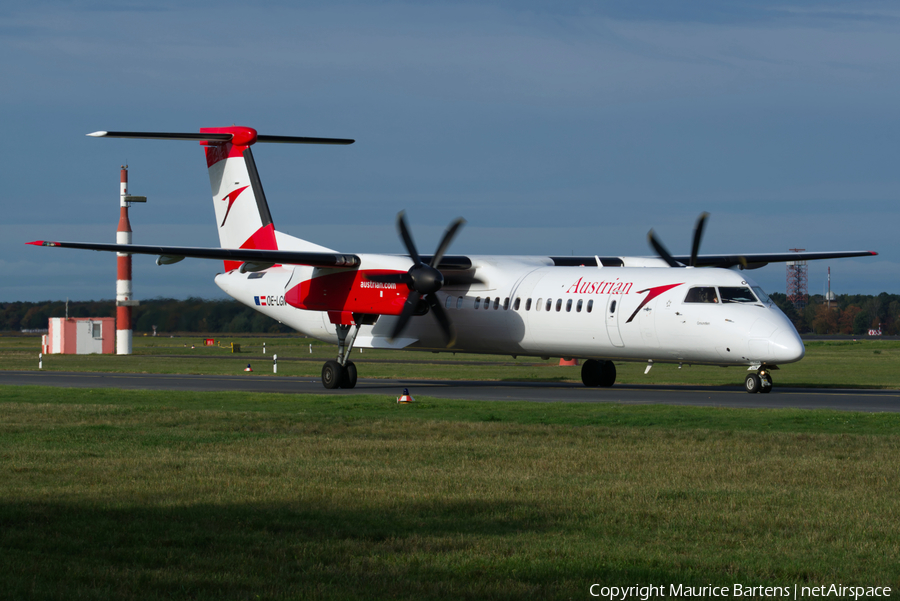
{"x":695,"y":309}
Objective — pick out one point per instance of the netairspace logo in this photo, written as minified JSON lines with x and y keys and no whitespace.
{"x":651,"y":591}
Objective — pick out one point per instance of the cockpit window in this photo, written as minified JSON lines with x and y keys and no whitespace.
{"x":736,"y":294}
{"x":702,"y":294}
{"x":761,"y":294}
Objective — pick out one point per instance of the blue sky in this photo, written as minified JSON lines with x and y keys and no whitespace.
{"x":551,"y":129}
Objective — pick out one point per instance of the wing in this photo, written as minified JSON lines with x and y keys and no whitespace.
{"x":757,"y":260}
{"x":175,"y":253}
{"x":745,"y":261}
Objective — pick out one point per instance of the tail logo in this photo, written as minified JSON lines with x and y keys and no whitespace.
{"x":231,"y":198}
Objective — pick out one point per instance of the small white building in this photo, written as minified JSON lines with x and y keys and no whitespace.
{"x":80,"y":336}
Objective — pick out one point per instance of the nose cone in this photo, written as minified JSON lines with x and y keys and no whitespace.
{"x":786,"y":346}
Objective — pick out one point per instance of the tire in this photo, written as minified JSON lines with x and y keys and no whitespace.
{"x":608,"y":374}
{"x":766,"y":384}
{"x":332,"y":374}
{"x":349,"y":379}
{"x":591,"y":373}
{"x":752,"y":384}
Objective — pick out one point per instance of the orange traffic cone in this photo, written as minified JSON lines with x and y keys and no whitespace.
{"x":405,"y":397}
{"x":248,"y":368}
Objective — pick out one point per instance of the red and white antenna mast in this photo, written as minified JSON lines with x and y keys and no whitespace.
{"x":124,"y":298}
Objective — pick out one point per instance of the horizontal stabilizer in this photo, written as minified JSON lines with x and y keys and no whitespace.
{"x":215,"y":137}
{"x":244,"y":255}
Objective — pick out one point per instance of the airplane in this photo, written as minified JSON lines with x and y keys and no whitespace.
{"x":693,"y":309}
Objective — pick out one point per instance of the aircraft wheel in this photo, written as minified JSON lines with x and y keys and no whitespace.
{"x":752,"y":383}
{"x":591,"y":373}
{"x":349,"y":379}
{"x":332,"y":374}
{"x":608,"y":374}
{"x":765,"y":384}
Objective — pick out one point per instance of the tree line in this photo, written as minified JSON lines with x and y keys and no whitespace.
{"x":847,"y":314}
{"x":167,"y":314}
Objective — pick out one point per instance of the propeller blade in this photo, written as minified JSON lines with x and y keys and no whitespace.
{"x":698,"y":235}
{"x":408,"y":307}
{"x":661,"y":250}
{"x":407,"y":238}
{"x":443,"y":320}
{"x":390,"y":278}
{"x":446,"y":240}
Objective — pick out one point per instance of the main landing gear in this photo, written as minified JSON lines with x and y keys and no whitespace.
{"x":598,"y":373}
{"x":342,"y":372}
{"x":335,"y":375}
{"x":761,"y":381}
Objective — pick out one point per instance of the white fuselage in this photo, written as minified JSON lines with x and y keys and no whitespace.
{"x":621,"y":313}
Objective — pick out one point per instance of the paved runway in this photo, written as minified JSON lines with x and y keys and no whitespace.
{"x":715,"y":396}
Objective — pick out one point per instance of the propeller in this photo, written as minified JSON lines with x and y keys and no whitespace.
{"x":695,"y":245}
{"x":423,"y":280}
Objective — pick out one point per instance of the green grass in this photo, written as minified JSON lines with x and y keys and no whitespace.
{"x":846,"y":364}
{"x":111,"y":494}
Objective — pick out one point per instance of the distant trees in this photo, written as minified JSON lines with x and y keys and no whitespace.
{"x":168,"y":315}
{"x":848,"y":314}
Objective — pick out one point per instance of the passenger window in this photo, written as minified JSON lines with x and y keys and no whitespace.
{"x":496,"y":303}
{"x":459,"y":302}
{"x":549,"y":304}
{"x":558,"y":304}
{"x":537,"y":307}
{"x":590,"y":305}
{"x":487,"y":303}
{"x":612,"y":307}
{"x":528,"y":304}
{"x":477,"y":301}
{"x":569,"y":306}
{"x":516,"y":304}
{"x":506,"y":303}
{"x":578,"y":306}
{"x":447,"y":302}
{"x":702,"y":294}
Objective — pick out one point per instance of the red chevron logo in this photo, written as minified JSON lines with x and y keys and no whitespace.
{"x":231,"y":198}
{"x":654,"y":292}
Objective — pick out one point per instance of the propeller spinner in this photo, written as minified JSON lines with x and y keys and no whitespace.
{"x":422,"y":279}
{"x":695,"y":245}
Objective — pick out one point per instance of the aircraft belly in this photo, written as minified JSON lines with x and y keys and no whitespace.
{"x":489,"y":330}
{"x":264,"y":292}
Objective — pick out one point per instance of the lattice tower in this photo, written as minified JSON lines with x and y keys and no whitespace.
{"x":797,"y":286}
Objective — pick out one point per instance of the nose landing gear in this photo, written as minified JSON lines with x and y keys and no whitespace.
{"x":759,"y":382}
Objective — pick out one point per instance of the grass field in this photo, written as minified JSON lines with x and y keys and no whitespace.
{"x":143,"y":495}
{"x":862,"y":363}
